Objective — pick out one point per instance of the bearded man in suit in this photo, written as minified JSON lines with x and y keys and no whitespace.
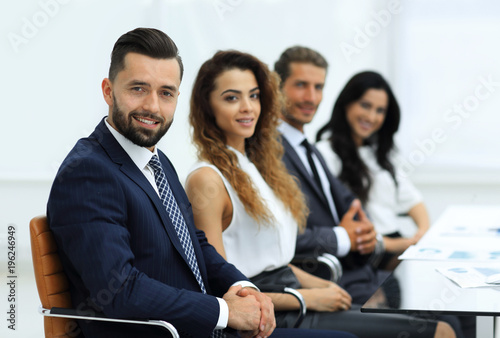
{"x":123,"y":223}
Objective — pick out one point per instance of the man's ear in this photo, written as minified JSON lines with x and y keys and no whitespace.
{"x":107,"y":91}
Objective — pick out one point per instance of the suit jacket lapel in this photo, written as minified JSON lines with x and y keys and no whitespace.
{"x":331,"y":180}
{"x":128,"y":167}
{"x":301,"y":169}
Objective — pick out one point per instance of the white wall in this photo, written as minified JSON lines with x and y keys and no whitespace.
{"x":54,"y":54}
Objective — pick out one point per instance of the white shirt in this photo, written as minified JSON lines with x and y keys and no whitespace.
{"x":385,"y":199}
{"x":272,"y":244}
{"x":141,"y":156}
{"x":295,"y":138}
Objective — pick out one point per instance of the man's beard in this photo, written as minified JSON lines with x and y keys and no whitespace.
{"x":141,"y":136}
{"x":287,"y":113}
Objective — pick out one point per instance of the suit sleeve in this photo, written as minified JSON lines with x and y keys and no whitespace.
{"x":221,"y":274}
{"x":343,"y":200}
{"x":319,"y":236}
{"x":88,"y":214}
{"x":317,"y":239}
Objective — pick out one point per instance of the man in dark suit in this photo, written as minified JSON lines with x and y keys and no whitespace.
{"x":124,"y":225}
{"x":337,"y":223}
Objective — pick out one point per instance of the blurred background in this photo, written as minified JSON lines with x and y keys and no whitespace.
{"x":442,"y":59}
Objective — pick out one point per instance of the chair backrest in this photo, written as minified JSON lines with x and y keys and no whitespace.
{"x":51,"y":281}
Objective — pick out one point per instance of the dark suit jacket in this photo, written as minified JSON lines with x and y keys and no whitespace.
{"x":120,"y":250}
{"x":359,"y":279}
{"x":318,"y":236}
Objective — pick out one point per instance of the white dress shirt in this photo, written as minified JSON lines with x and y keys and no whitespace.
{"x":295,"y":138}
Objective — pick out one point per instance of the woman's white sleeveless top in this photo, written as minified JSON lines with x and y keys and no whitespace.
{"x":251,"y":246}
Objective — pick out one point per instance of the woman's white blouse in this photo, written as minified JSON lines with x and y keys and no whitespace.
{"x":385,"y":200}
{"x":250,"y":246}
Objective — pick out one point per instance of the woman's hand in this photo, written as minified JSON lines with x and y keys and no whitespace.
{"x":329,"y":299}
{"x":418,"y":235}
{"x":397,"y":245}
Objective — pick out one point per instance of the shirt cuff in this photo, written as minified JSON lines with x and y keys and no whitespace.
{"x":245,"y":283}
{"x":343,"y":241}
{"x":224,"y":309}
{"x":223,"y":314}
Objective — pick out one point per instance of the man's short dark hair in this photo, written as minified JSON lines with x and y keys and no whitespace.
{"x":298,"y":54}
{"x":146,"y":41}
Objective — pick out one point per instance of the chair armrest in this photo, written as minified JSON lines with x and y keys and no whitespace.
{"x":290,"y":291}
{"x":72,"y":313}
{"x":325,"y":266}
{"x":333,"y":264}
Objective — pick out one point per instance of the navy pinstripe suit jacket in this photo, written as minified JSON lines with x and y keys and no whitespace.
{"x":120,"y":250}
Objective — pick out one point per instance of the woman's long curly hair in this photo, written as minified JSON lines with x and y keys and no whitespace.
{"x":263,"y":148}
{"x":354,"y":171}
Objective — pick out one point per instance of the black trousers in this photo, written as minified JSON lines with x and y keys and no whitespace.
{"x":364,"y":325}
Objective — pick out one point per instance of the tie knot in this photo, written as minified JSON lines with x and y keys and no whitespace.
{"x":306,"y":144}
{"x":155,"y":163}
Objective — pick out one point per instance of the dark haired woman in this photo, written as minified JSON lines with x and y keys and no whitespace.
{"x":358,"y":146}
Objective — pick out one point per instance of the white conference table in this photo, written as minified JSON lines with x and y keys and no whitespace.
{"x":455,"y":228}
{"x":463,"y":236}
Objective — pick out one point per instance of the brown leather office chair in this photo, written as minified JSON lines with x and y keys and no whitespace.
{"x":53,"y":288}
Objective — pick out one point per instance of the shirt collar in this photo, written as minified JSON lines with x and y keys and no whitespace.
{"x":139,"y":155}
{"x":293,"y":135}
